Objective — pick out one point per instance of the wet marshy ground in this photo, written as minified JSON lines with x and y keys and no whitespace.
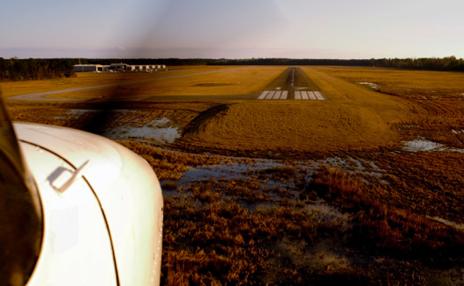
{"x":353,"y":218}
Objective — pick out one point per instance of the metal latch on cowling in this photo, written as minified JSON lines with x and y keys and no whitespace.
{"x":62,"y":178}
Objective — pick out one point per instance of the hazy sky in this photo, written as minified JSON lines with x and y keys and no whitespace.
{"x":232,"y":28}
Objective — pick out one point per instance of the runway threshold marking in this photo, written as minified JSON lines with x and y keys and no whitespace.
{"x":319,"y":95}
{"x":308,"y":95}
{"x":311,"y":95}
{"x":263,"y":95}
{"x":283,"y":95}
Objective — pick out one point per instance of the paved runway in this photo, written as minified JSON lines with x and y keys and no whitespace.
{"x":274,"y":94}
{"x":293,"y":84}
{"x":308,"y":95}
{"x":283,"y":95}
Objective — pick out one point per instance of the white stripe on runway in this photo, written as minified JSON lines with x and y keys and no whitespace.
{"x":311,"y":95}
{"x":270,"y":95}
{"x":319,"y":95}
{"x":304,"y":96}
{"x":277,"y":95}
{"x":283,"y":95}
{"x":263,"y":95}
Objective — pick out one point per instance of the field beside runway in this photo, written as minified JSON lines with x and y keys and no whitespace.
{"x":436,"y":99}
{"x":178,"y":81}
{"x":13,"y":88}
{"x":403,"y":82}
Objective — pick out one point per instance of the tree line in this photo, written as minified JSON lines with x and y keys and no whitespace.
{"x":436,"y":64}
{"x":29,"y":69}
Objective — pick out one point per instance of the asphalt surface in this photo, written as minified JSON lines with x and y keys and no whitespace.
{"x":293,"y":84}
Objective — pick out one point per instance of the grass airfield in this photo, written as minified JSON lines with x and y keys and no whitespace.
{"x":341,"y":190}
{"x":177,"y":82}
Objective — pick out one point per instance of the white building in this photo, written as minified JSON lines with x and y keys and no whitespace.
{"x":88,"y":68}
{"x":118,"y":67}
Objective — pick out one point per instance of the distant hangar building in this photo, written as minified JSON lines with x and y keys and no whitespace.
{"x":118,"y":67}
{"x":88,"y":68}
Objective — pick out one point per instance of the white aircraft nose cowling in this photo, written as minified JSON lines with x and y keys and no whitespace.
{"x":124,"y":188}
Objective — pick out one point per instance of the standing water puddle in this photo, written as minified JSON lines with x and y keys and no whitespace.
{"x":372,"y":85}
{"x":243,"y":171}
{"x":424,"y":145}
{"x":160,"y":129}
{"x":237,"y":171}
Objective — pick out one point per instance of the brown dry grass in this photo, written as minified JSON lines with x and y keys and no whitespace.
{"x":380,"y":222}
{"x":236,"y":246}
{"x":238,"y":80}
{"x":351,"y":118}
{"x":11,"y":88}
{"x":403,"y":82}
{"x":419,"y":180}
{"x":438,"y":98}
{"x":182,"y":81}
{"x":211,"y":238}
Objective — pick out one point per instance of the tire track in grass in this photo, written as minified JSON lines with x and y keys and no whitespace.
{"x":204,"y":117}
